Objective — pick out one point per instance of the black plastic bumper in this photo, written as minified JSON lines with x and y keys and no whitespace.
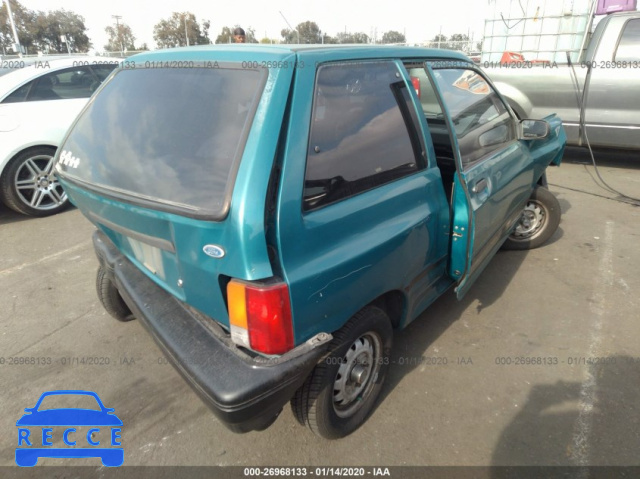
{"x":245,"y":393}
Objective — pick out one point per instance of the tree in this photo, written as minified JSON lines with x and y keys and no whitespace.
{"x":459,"y":41}
{"x":393,"y":37}
{"x":226,"y":35}
{"x":120,"y":38}
{"x":40,"y":31}
{"x":172,"y":32}
{"x":305,"y":32}
{"x":439,"y":41}
{"x":51,"y":27}
{"x":358,"y":37}
{"x":328,"y":39}
{"x":24,"y":20}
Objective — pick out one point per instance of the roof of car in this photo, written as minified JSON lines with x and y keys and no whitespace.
{"x":259,"y":52}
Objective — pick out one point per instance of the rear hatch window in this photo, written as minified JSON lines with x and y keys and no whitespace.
{"x":166,"y":138}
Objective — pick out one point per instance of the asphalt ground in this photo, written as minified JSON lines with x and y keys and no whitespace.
{"x":538,"y":365}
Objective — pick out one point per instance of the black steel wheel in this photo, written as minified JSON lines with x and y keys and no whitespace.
{"x":539,"y":221}
{"x":341,"y":392}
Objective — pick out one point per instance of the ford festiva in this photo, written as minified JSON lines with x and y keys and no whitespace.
{"x":272,"y":214}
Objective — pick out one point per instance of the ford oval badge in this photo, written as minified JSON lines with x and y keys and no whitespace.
{"x":214,"y":251}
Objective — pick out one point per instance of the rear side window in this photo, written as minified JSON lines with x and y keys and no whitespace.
{"x":18,"y":95}
{"x":628,"y":50}
{"x":362,"y":132}
{"x":169,"y":137}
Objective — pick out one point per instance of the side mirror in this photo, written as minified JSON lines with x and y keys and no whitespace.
{"x":533,"y":130}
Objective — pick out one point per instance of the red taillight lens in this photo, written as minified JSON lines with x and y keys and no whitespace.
{"x":415,"y":81}
{"x":267,"y":310}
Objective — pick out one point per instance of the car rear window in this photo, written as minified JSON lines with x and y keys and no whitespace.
{"x":169,"y":137}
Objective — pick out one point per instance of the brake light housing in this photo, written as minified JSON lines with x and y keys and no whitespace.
{"x":260,"y":316}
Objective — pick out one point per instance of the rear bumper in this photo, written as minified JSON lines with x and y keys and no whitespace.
{"x":246,"y":393}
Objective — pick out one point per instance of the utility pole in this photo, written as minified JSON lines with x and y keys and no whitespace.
{"x":118,"y":18}
{"x":17,"y":46}
{"x":185,"y":29}
{"x":65,"y":39}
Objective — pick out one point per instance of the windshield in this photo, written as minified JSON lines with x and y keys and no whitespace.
{"x":171,"y":137}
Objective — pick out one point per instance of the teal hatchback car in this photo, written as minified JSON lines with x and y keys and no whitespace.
{"x":273,"y":213}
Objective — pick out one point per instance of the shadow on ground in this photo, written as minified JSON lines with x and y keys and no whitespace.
{"x":415,"y":340}
{"x":593,"y":423}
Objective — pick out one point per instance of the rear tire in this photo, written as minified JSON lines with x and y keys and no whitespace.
{"x":538,"y":223}
{"x":28,"y":184}
{"x":341,"y":391}
{"x":110,"y":297}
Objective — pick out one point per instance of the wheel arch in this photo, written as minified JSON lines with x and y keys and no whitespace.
{"x":542,"y":181}
{"x":394,"y":304}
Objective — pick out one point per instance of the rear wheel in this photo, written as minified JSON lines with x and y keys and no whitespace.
{"x":110,"y":297}
{"x":539,"y":221}
{"x":28,"y":184}
{"x":339,"y":394}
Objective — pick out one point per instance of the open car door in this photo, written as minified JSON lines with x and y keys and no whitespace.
{"x":495,"y":171}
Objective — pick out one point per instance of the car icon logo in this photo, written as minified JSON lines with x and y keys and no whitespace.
{"x":41,"y":426}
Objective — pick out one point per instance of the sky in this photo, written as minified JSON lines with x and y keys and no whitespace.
{"x":420,"y":20}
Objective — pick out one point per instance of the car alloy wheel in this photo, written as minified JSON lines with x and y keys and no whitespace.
{"x":36,"y":185}
{"x":29,"y":185}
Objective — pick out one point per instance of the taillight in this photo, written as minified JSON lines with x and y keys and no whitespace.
{"x":415,"y":81}
{"x":260,"y":316}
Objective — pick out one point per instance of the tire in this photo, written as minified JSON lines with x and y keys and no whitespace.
{"x":110,"y":297}
{"x":539,"y":221}
{"x":331,"y":402}
{"x":29,"y":186}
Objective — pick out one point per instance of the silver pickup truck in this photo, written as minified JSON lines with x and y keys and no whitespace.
{"x":608,"y":74}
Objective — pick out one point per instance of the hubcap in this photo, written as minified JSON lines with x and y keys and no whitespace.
{"x":357,"y":374}
{"x":531,"y":222}
{"x":36,"y":184}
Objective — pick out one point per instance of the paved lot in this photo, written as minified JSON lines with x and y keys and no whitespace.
{"x":574,"y":299}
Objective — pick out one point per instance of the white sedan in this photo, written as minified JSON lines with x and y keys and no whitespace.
{"x":39,"y":100}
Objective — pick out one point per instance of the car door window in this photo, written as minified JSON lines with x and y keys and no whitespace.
{"x":363,"y":131}
{"x":70,"y":83}
{"x":628,"y":50}
{"x":481,"y":121}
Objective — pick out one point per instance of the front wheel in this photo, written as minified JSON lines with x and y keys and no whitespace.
{"x":339,"y":394}
{"x":539,"y":221}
